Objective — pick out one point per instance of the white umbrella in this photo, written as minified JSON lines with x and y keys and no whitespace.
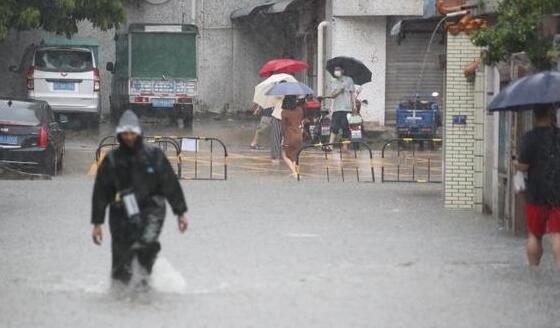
{"x":262,"y":88}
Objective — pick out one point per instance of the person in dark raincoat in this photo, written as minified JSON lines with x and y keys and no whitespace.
{"x":141,"y":170}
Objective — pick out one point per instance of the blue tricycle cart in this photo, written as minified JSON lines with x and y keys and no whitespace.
{"x":418,"y":118}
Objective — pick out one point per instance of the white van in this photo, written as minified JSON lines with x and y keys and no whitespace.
{"x":67,"y":79}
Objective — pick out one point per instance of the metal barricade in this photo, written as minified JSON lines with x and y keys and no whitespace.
{"x":410,"y":162}
{"x":195,"y":147}
{"x":166,"y":144}
{"x":109,"y":142}
{"x":327,"y":149}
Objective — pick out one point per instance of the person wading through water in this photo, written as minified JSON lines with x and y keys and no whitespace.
{"x":540,"y":158}
{"x":134,"y":180}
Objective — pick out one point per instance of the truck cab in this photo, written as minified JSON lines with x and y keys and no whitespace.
{"x":155,"y":72}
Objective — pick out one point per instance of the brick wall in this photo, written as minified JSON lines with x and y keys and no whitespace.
{"x":464,"y":144}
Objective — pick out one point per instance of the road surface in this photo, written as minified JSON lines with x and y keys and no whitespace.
{"x":267,"y":251}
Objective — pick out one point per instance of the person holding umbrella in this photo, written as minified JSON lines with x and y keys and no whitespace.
{"x":292,"y":116}
{"x":346,"y":71}
{"x":539,"y":149}
{"x":275,"y":70}
{"x":270,"y":107}
{"x":343,"y":95}
{"x":539,"y":157}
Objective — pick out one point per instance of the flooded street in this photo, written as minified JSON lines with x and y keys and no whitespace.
{"x":266,"y":251}
{"x":280,"y":163}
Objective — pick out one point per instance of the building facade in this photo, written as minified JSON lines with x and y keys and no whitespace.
{"x":223,"y":58}
{"x":415,"y":61}
{"x":359,"y":28}
{"x":237,"y":37}
{"x":354,"y":28}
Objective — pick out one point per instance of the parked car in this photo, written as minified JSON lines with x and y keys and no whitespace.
{"x":31,"y":140}
{"x":64,"y":73}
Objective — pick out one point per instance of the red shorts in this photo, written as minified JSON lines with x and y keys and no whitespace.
{"x":542,"y":219}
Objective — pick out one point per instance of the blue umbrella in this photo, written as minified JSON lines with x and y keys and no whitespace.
{"x":528,"y":92}
{"x":290,"y":89}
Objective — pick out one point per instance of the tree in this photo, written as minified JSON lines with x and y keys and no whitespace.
{"x":59,"y":16}
{"x":517,"y":29}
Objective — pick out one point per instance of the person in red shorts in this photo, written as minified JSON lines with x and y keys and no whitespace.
{"x":540,"y":158}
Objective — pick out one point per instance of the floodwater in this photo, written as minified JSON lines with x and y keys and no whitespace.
{"x":268,"y":251}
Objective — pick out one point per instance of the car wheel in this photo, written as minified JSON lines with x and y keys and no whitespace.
{"x":50,"y":164}
{"x":60,"y":164}
{"x":188,"y":123}
{"x":93,"y":121}
{"x":185,"y":117}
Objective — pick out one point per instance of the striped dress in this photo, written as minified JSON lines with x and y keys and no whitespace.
{"x":276,"y":146}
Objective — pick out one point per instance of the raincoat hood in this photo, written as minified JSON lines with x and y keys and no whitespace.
{"x":129,"y":123}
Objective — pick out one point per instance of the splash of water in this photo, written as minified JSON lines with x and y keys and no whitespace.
{"x":166,"y":279}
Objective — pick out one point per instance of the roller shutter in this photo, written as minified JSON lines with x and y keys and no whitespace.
{"x":404,"y":63}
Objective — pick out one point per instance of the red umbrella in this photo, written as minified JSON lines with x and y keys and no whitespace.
{"x":288,"y":66}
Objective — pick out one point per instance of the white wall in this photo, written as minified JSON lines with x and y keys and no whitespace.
{"x":378,"y":8}
{"x":364,"y":38}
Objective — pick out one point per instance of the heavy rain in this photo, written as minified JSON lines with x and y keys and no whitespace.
{"x":289,"y":163}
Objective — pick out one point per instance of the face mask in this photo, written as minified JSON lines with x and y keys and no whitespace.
{"x":337,"y":73}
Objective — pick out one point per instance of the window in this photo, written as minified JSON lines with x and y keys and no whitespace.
{"x":64,"y":60}
{"x":20,"y":113}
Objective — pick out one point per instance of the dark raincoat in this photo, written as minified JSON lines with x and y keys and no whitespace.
{"x":147,"y":172}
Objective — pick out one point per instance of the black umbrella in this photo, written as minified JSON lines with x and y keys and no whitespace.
{"x":353,"y":68}
{"x":528,"y":92}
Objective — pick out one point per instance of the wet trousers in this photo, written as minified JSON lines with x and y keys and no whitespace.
{"x":140,"y":241}
{"x":276,"y":140}
{"x":262,"y":129}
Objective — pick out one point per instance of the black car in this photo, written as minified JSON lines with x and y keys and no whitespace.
{"x":31,"y":139}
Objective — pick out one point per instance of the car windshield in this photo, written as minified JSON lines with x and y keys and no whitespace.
{"x":64,"y":60}
{"x":26,"y":114}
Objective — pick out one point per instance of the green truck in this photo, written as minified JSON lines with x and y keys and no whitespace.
{"x":155,"y":72}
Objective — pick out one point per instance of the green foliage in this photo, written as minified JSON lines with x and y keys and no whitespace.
{"x":517,"y":29}
{"x":60,"y":16}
